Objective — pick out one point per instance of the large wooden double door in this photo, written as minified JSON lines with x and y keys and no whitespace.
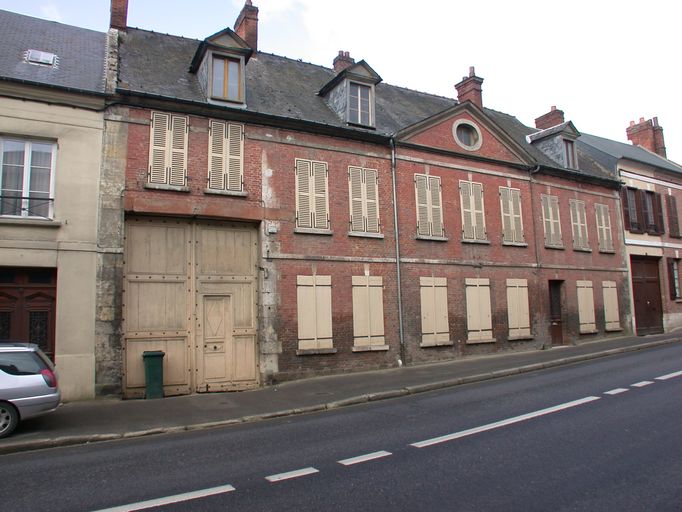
{"x":646,"y":291}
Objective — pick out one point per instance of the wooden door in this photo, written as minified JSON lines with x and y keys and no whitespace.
{"x":646,"y":291}
{"x":556,"y":326}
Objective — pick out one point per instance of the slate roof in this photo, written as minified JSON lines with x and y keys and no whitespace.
{"x":81,"y":53}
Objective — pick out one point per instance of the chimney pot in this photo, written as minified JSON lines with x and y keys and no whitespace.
{"x":342,"y":61}
{"x":641,"y":119}
{"x":647,"y":134}
{"x":469,"y":89}
{"x":246,"y":25}
{"x":552,"y":118}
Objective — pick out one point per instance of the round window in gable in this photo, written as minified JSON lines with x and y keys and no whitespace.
{"x":467,"y":135}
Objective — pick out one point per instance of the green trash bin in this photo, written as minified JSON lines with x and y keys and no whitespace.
{"x":153,"y":373}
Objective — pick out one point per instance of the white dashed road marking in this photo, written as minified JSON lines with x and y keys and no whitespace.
{"x":641,"y":384}
{"x":669,"y":376}
{"x":364,"y":458}
{"x":177,"y":498}
{"x":291,"y":474}
{"x":616,"y":391}
{"x":504,"y":423}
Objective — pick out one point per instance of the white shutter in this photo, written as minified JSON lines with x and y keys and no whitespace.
{"x":158,"y":148}
{"x":436,"y":206}
{"x":547,"y":219}
{"x":604,"y":227}
{"x":479,"y":314}
{"x":372,"y":200}
{"x":357,"y":222}
{"x":368,"y":311}
{"x":575,"y":227}
{"x":467,"y":210}
{"x":434,"y":311}
{"x":319,"y":182}
{"x":178,"y":152}
{"x":516,"y":215}
{"x":582,"y":222}
{"x":518,"y":313}
{"x":303,"y":199}
{"x":216,"y":163}
{"x":313,"y":294}
{"x":611,"y":312}
{"x":505,"y":208}
{"x":586,"y":307}
{"x":235,"y":157}
{"x":479,"y":213}
{"x":422,"y":202}
{"x":556,"y":223}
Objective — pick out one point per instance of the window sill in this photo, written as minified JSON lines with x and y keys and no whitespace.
{"x":360,"y":125}
{"x":481,"y":242}
{"x":432,"y":345}
{"x":28,"y":221}
{"x":227,"y":103}
{"x":217,"y":192}
{"x":433,"y":238}
{"x":520,"y":338}
{"x":475,"y":342}
{"x":592,"y":331}
{"x":614,"y":329}
{"x":365,"y":235}
{"x":371,"y":348}
{"x":315,"y":351}
{"x":515,"y":244}
{"x":160,"y":186}
{"x":310,"y":231}
{"x":555,"y":247}
{"x":610,"y":251}
{"x":582,"y":249}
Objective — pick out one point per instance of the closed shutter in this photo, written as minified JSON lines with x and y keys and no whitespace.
{"x":479,"y":315}
{"x":604,"y":227}
{"x":556,"y":224}
{"x":368,"y":311}
{"x":467,"y":210}
{"x":586,"y":307}
{"x":372,"y":200}
{"x":320,"y":193}
{"x":547,"y":220}
{"x":673,"y":219}
{"x":518,"y":313}
{"x":313,"y":294}
{"x":436,"y":206}
{"x":357,"y":222}
{"x":625,"y":203}
{"x":505,"y":207}
{"x":578,"y":224}
{"x":611,"y":311}
{"x":659,"y":225}
{"x":479,"y":213}
{"x":674,"y":278}
{"x":434,"y":311}
{"x":304,"y":217}
{"x":575,"y":228}
{"x":422,"y":202}
{"x":517,"y":219}
{"x":235,"y":157}
{"x":178,"y":152}
{"x":158,"y":149}
{"x":216,"y":164}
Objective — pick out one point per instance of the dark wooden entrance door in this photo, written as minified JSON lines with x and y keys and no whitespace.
{"x":646,"y":291}
{"x":556,"y":326}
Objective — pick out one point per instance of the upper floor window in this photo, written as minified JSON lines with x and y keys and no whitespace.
{"x":551,"y":221}
{"x":227,"y":82}
{"x":673,"y":220}
{"x":429,"y":206}
{"x":473,"y":215}
{"x":360,"y":104}
{"x":569,"y":154}
{"x":363,"y":192}
{"x":26,"y":181}
{"x":168,"y":150}
{"x":512,"y":221}
{"x":604,"y":227}
{"x":642,"y":211}
{"x":226,"y":157}
{"x":312,"y":199}
{"x":579,"y":225}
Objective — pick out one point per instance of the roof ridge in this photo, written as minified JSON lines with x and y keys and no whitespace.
{"x":43,"y":20}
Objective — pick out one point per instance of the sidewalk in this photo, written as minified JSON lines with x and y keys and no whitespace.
{"x":108,"y":419}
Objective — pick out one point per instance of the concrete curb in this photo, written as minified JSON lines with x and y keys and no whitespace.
{"x":40,"y":444}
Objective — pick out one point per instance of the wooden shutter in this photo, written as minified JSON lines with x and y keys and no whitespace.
{"x":235,"y":157}
{"x":604,"y":227}
{"x":319,"y":176}
{"x":355,"y":178}
{"x":547,"y":219}
{"x":372,"y":200}
{"x":434,"y":311}
{"x":479,"y":212}
{"x":178,"y":151}
{"x":216,"y":163}
{"x":611,"y":311}
{"x":505,"y":208}
{"x":421,"y":194}
{"x":673,"y":219}
{"x":575,"y":227}
{"x":673,"y":278}
{"x":659,"y":225}
{"x":578,"y":224}
{"x":436,"y":209}
{"x":304,"y":217}
{"x":313,"y":294}
{"x":517,"y":219}
{"x":625,"y":202}
{"x":586,"y":307}
{"x":518,"y":313}
{"x":368,"y":311}
{"x":556,"y":224}
{"x":479,"y":316}
{"x":158,"y":148}
{"x":467,"y":211}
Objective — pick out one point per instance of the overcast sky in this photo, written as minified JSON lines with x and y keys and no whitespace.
{"x":603,"y":62}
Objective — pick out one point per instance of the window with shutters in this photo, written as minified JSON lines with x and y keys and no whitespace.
{"x":673,"y":219}
{"x":363,"y":193}
{"x":168,"y":150}
{"x":473,"y":214}
{"x":551,"y":221}
{"x":368,"y":313}
{"x":642,"y":211}
{"x":674,"y":278}
{"x":586,"y":307}
{"x":479,"y":314}
{"x":314,"y":303}
{"x":579,"y":225}
{"x":27,"y":177}
{"x":434,"y":311}
{"x":226,"y":157}
{"x":312,"y":200}
{"x":611,"y":311}
{"x":360,"y":104}
{"x":518,"y":313}
{"x":512,"y":221}
{"x":227,"y":78}
{"x":429,"y":207}
{"x":604,"y":227}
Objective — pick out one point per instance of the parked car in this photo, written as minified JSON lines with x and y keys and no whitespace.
{"x":28,"y":384}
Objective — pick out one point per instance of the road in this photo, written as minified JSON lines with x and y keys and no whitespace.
{"x":603,"y":435}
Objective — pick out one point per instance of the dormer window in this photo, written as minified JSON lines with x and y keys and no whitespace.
{"x":569,"y":154}
{"x":227,"y":82}
{"x":360,"y":104}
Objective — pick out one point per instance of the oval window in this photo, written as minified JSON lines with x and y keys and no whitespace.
{"x":467,"y":135}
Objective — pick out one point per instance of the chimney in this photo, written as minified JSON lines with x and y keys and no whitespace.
{"x":246,"y":25}
{"x":469,"y":89}
{"x":119,"y":14}
{"x":552,"y":118}
{"x":342,"y":61}
{"x":647,"y":134}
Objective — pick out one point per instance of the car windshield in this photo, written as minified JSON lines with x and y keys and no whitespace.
{"x":22,"y":363}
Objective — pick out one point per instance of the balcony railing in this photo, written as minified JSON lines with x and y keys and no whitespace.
{"x":19,"y":206}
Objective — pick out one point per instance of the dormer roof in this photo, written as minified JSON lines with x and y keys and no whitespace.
{"x":566,"y":130}
{"x":360,"y":71}
{"x":226,"y":40}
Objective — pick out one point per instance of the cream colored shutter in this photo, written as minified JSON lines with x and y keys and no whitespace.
{"x":516,"y":214}
{"x":604,"y":227}
{"x":547,"y":219}
{"x":575,"y":224}
{"x":158,"y":148}
{"x":313,"y":294}
{"x":235,"y":157}
{"x":586,"y":307}
{"x":216,"y":164}
{"x":479,"y":214}
{"x":556,"y":224}
{"x":357,"y":222}
{"x":319,"y":175}
{"x":422,"y":202}
{"x":178,"y":155}
{"x":303,"y":199}
{"x":611,"y":312}
{"x":436,"y":209}
{"x":323,"y":305}
{"x":372,"y":200}
{"x":368,"y":311}
{"x":505,"y":208}
{"x":518,"y":314}
{"x":434,"y":311}
{"x":479,"y":315}
{"x":467,"y":210}
{"x":582,"y":220}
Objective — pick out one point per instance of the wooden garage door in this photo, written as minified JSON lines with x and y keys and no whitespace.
{"x":190,"y":291}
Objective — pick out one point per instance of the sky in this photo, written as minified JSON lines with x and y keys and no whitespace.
{"x":603,"y":62}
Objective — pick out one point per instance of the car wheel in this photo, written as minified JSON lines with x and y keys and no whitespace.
{"x":9,"y":419}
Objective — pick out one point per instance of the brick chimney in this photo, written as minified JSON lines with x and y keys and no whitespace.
{"x":551,"y":118}
{"x":342,"y":61}
{"x":469,"y":89}
{"x":246,"y":25}
{"x":647,"y":134}
{"x":119,"y":14}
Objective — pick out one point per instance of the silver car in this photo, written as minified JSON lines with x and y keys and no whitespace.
{"x":28,"y":384}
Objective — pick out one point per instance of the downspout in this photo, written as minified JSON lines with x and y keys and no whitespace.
{"x":397,"y":252}
{"x":532,"y":206}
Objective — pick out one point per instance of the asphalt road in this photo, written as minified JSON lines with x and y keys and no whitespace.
{"x":599,"y":436}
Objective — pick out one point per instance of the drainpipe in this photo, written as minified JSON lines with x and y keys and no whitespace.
{"x":532,"y":206}
{"x":397,"y":252}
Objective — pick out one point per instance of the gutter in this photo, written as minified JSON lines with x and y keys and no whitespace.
{"x":397,"y":251}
